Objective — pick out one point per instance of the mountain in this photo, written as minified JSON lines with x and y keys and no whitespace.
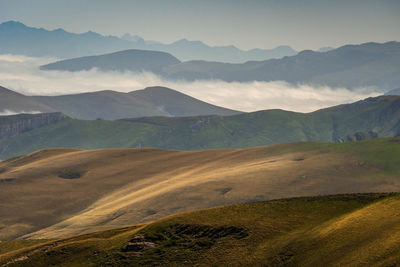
{"x":393,"y":92}
{"x":84,"y":191}
{"x":17,"y":38}
{"x":152,"y":101}
{"x":128,"y":60}
{"x":13,"y":103}
{"x":350,"y":66}
{"x":340,"y":230}
{"x":325,"y":49}
{"x":185,"y":49}
{"x":380,"y":115}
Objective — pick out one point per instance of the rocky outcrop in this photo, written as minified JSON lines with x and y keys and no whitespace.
{"x":16,"y":124}
{"x":359,"y":136}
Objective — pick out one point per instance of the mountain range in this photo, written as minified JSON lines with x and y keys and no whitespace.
{"x":17,"y":38}
{"x":369,"y":118}
{"x":152,"y":101}
{"x":350,"y":66}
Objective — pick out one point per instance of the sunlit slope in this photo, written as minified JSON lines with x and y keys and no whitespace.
{"x":340,"y":230}
{"x":63,"y":192}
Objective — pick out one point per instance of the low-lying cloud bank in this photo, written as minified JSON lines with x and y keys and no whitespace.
{"x":23,"y":75}
{"x":7,"y":112}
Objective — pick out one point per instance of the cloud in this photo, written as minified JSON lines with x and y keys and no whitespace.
{"x":7,"y":112}
{"x":22,"y":74}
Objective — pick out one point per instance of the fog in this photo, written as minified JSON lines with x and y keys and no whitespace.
{"x":7,"y":112}
{"x":22,"y":74}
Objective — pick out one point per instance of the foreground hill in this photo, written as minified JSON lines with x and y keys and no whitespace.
{"x":379,"y":116}
{"x":349,"y":66}
{"x":62,"y":192}
{"x":111,"y":105}
{"x":341,"y":230}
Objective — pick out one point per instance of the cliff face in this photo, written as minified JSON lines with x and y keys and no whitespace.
{"x":16,"y":124}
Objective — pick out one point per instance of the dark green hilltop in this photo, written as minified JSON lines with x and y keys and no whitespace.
{"x":369,"y":118}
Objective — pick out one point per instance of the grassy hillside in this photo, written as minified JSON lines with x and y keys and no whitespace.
{"x":380,"y":114}
{"x":340,"y":230}
{"x":63,"y":192}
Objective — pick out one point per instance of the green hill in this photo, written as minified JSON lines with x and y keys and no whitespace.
{"x":340,"y":230}
{"x":380,"y":115}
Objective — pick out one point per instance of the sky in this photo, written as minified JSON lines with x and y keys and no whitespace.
{"x":247,"y":24}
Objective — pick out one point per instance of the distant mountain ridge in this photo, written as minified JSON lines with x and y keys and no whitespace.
{"x":127,"y":60}
{"x":17,"y":38}
{"x":14,"y":102}
{"x":350,"y":66}
{"x":393,"y":92}
{"x":111,"y":105}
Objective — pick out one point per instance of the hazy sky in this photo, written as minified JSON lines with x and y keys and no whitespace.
{"x":302,"y":24}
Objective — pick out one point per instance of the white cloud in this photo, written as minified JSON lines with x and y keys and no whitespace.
{"x":23,"y":75}
{"x":7,"y":112}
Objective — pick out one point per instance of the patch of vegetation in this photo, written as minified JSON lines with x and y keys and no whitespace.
{"x":69,"y":174}
{"x":7,"y":246}
{"x":4,"y":180}
{"x":224,"y":190}
{"x":177,"y":241}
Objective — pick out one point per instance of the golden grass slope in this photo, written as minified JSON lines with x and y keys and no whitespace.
{"x":120,"y":187}
{"x":340,"y":230}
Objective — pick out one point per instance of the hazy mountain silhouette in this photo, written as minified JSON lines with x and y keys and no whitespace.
{"x":152,"y":101}
{"x":393,"y":92}
{"x":350,"y":66}
{"x":17,"y":38}
{"x":369,"y":64}
{"x":127,"y":60}
{"x":12,"y":102}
